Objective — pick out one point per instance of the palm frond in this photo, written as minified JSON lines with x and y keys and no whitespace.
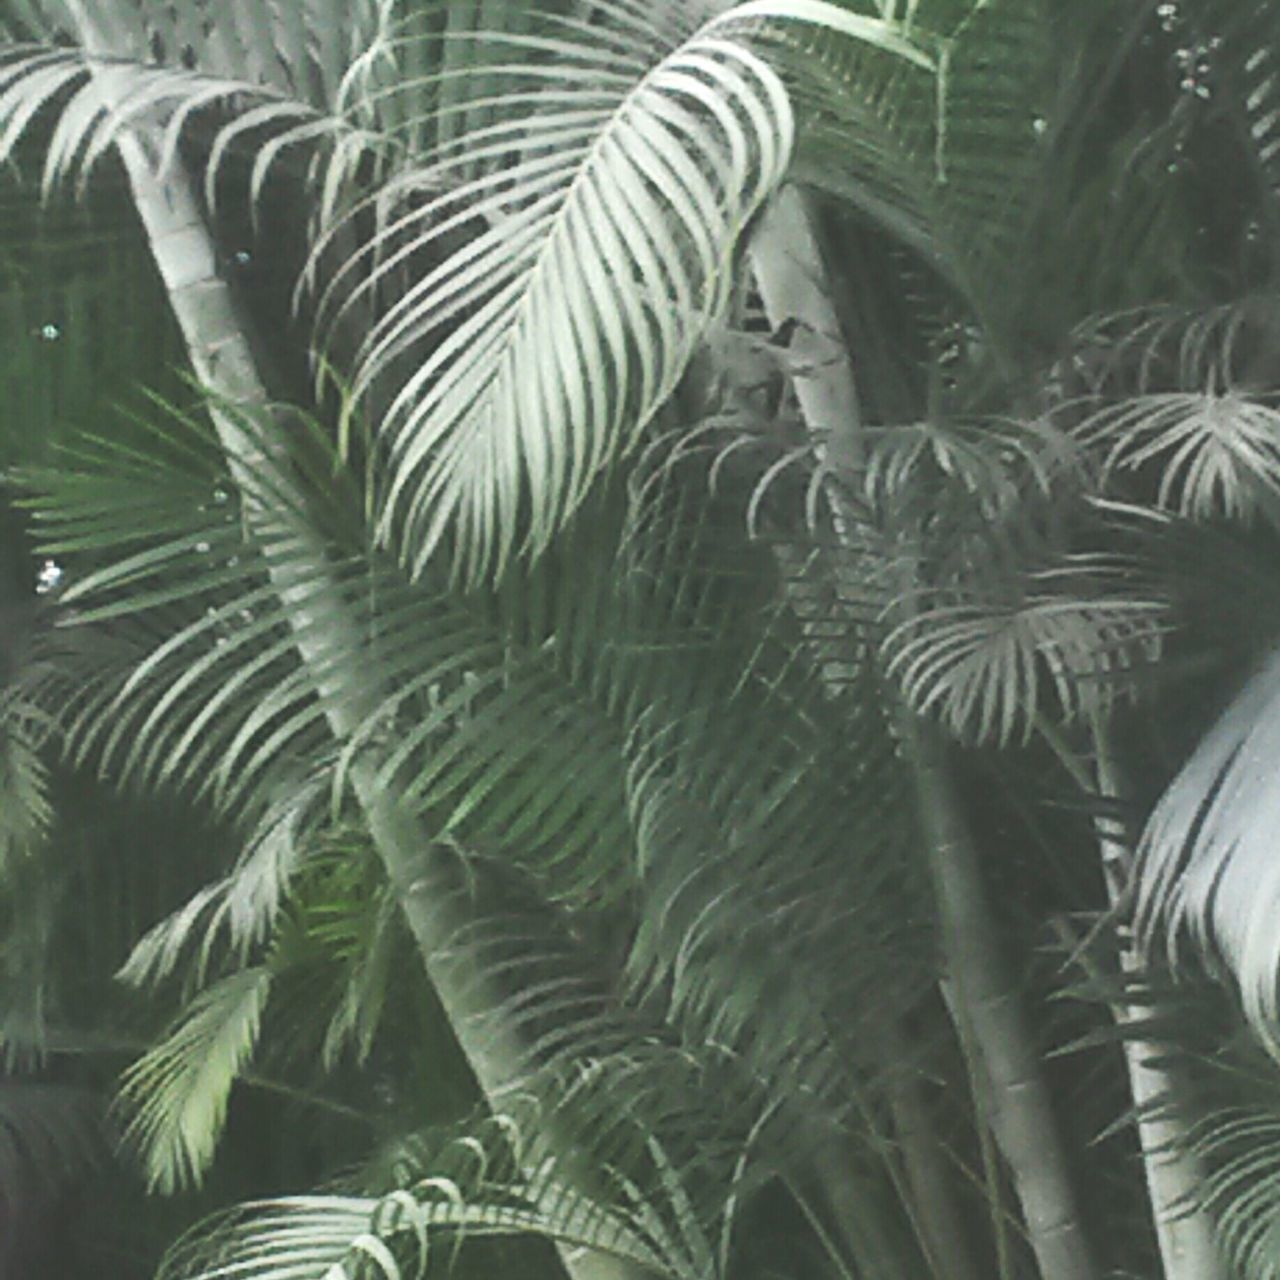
{"x":981,"y":665}
{"x":245,"y":904}
{"x":177,"y":1091}
{"x":348,"y":1238}
{"x":634,"y":649}
{"x":26,"y":813}
{"x":284,"y":1240}
{"x":1228,"y":50}
{"x":354,"y":918}
{"x":1213,"y":452}
{"x":1206,"y":874}
{"x":918,"y":154}
{"x":499,"y":428}
{"x":494,"y":422}
{"x":697,"y":141}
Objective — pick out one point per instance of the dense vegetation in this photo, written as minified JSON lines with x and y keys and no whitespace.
{"x":638,"y":639}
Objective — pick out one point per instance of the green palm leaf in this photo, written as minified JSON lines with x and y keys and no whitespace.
{"x":981,"y":665}
{"x":26,"y":813}
{"x":178,"y":1090}
{"x":1206,"y":872}
{"x":347,"y":1237}
{"x":1215,"y":451}
{"x":626,"y":649}
{"x":557,"y":332}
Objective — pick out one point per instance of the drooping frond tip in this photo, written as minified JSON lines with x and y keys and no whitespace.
{"x":1208,"y":875}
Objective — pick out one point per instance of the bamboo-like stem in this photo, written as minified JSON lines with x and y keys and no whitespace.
{"x":424,"y":873}
{"x":928,"y":1194}
{"x":1174,"y":1173}
{"x":1020,"y":1112}
{"x":937,"y":1212}
{"x":793,"y":281}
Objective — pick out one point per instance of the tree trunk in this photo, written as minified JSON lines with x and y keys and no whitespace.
{"x":790,"y":274}
{"x":986,"y":993}
{"x":1173,"y":1172}
{"x":940,"y":1222}
{"x":423,"y":873}
{"x":792,"y":277}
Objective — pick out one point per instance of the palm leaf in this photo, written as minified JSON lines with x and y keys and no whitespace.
{"x":953,"y":164}
{"x":479,"y":711}
{"x":980,"y":664}
{"x":245,"y":905}
{"x":1206,"y":874}
{"x":696,"y":142}
{"x":648,"y":176}
{"x":177,"y":1091}
{"x":1214,"y":452}
{"x":26,"y":814}
{"x":348,"y":1237}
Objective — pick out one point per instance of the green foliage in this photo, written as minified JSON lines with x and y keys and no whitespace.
{"x":180,"y":1086}
{"x":564,"y":583}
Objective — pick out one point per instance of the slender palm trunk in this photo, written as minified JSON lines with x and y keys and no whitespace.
{"x":985,"y":990}
{"x":1173,"y":1172}
{"x":424,"y":874}
{"x":940,"y":1222}
{"x":793,"y":281}
{"x":789,"y":271}
{"x":928,"y":1193}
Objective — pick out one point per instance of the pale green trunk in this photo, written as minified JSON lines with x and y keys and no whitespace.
{"x":424,"y":873}
{"x":1174,"y":1173}
{"x":928,"y":1195}
{"x":794,"y":284}
{"x":989,"y":1007}
{"x":792,"y":280}
{"x":939,"y":1221}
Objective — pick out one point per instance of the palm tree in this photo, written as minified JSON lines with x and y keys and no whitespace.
{"x":172,"y":220}
{"x":598,"y":695}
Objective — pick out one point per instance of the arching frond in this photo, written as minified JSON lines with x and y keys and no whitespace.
{"x":178,"y":1090}
{"x":710,"y":795}
{"x":992,"y":467}
{"x":950,"y":165}
{"x":982,"y":665}
{"x":556,"y":334}
{"x":488,"y":446}
{"x":1180,"y":401}
{"x":1229,"y":51}
{"x":451,"y":1186}
{"x":285,"y":1240}
{"x":243,"y":906}
{"x":25,"y":810}
{"x":1213,"y":452}
{"x":1207,"y":873}
{"x":349,"y":1238}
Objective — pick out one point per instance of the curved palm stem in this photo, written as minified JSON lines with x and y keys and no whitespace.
{"x":793,"y":283}
{"x":789,"y":272}
{"x":423,"y":872}
{"x":1174,"y":1172}
{"x":1021,"y":1113}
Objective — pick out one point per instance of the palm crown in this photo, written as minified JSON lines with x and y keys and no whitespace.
{"x":597,"y":625}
